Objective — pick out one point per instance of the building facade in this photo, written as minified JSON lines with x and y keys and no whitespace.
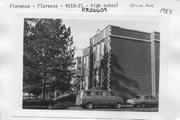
{"x":78,"y":66}
{"x":85,"y":68}
{"x":124,"y":60}
{"x":77,"y":80}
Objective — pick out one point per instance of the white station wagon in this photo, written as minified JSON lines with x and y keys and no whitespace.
{"x":90,"y":98}
{"x":143,"y":101}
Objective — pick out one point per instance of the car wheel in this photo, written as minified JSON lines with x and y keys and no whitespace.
{"x":49,"y":107}
{"x":142,"y":105}
{"x":135,"y":106}
{"x":89,"y":106}
{"x":118,"y":105}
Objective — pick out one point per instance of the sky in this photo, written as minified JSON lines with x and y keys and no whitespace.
{"x":82,"y":30}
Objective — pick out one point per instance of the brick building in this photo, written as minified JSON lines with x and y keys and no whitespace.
{"x":124,"y":60}
{"x":85,"y":68}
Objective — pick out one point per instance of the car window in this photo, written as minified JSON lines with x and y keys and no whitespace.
{"x":103,"y":93}
{"x":138,"y":97}
{"x":107,"y":93}
{"x":88,"y":93}
{"x":152,"y":97}
{"x":146,"y":97}
{"x":96,"y":93}
{"x":112,"y":93}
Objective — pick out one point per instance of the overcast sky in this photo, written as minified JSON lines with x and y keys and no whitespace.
{"x":83,"y":30}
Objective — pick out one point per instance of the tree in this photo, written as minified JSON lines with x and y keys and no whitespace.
{"x":48,"y":54}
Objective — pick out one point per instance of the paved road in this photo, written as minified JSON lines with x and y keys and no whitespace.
{"x":124,"y":108}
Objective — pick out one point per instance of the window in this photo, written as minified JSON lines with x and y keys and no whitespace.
{"x":96,"y":93}
{"x":112,"y":93}
{"x":98,"y":52}
{"x":88,"y":93}
{"x":103,"y":93}
{"x":107,"y":93}
{"x":152,"y":97}
{"x":87,"y":62}
{"x":102,"y":49}
{"x":94,"y":53}
{"x":92,"y":41}
{"x":146,"y":97}
{"x":138,"y":97}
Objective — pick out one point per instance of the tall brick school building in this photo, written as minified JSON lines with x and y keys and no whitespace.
{"x":123,"y":60}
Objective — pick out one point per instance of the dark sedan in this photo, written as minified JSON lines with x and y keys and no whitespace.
{"x":32,"y":102}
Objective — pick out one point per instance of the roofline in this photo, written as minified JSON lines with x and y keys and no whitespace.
{"x":126,"y":29}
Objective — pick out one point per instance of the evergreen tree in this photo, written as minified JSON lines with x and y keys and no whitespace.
{"x":48,"y":55}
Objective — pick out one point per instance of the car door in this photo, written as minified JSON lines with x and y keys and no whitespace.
{"x":102,"y":98}
{"x":97,"y":98}
{"x":88,"y":96}
{"x":138,"y":100}
{"x":147,"y":100}
{"x":111,"y":99}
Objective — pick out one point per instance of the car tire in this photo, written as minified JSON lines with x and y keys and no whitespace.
{"x":118,"y":105}
{"x":142,"y":105}
{"x":89,"y":105}
{"x":135,"y":106}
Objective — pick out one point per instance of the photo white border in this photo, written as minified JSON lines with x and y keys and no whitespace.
{"x":17,"y":82}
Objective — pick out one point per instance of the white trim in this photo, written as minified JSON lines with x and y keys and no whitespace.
{"x":153,"y":67}
{"x":131,"y":38}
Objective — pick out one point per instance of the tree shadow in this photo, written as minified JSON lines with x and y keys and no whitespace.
{"x":120,"y":81}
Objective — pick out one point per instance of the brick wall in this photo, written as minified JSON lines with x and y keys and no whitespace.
{"x":130,"y":66}
{"x":129,"y":33}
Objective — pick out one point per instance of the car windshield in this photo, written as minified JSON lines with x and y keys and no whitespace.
{"x":138,"y":97}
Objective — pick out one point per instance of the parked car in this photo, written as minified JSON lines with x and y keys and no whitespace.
{"x":90,"y":98}
{"x":66,"y":100}
{"x":143,"y":101}
{"x":32,"y":101}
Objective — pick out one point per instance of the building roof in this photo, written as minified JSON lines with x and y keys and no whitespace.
{"x":117,"y":31}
